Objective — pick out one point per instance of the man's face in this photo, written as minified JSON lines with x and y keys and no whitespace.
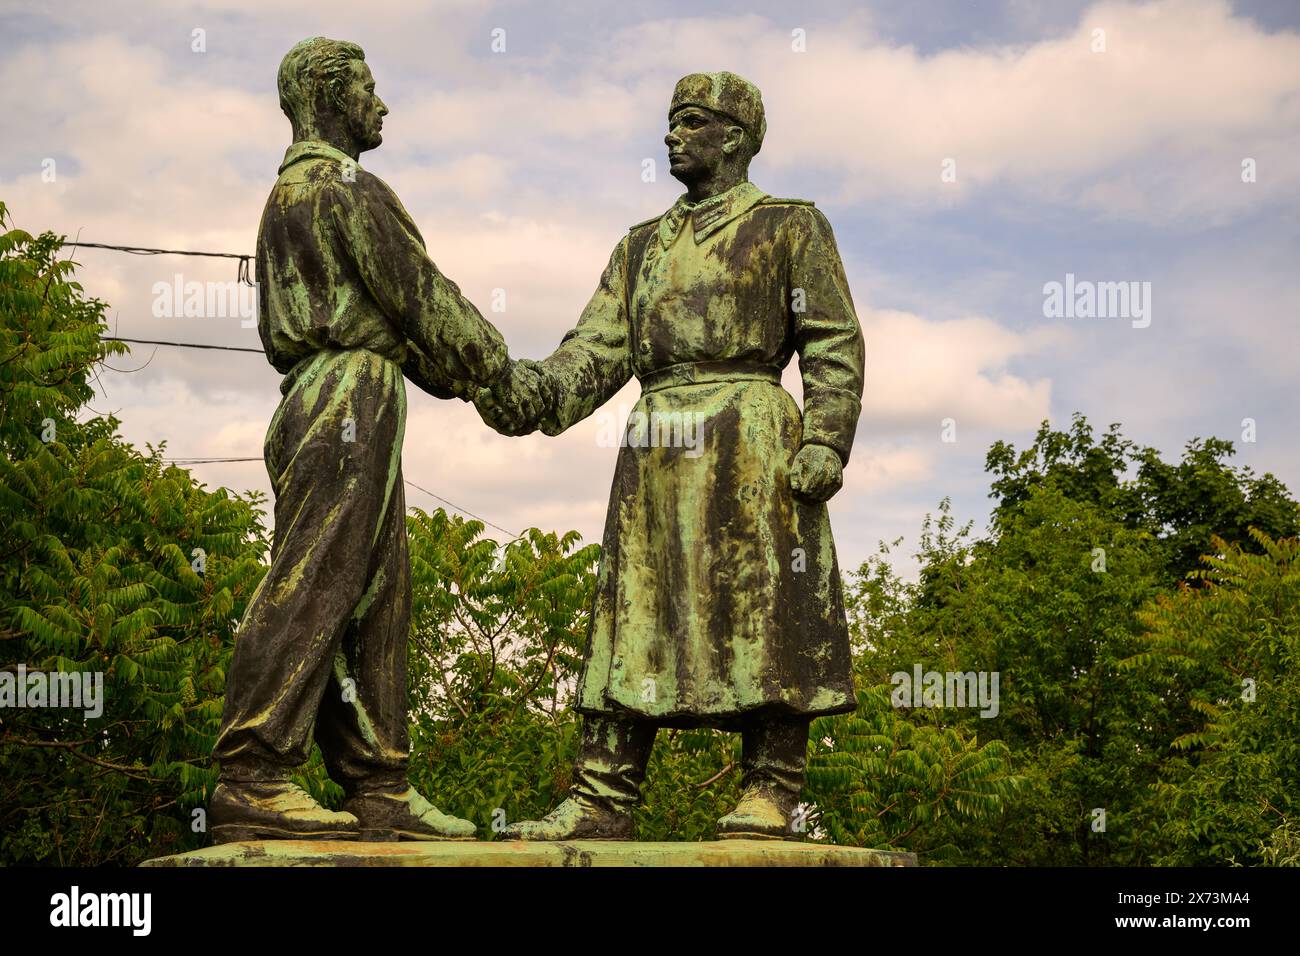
{"x":364,"y":110}
{"x":695,"y":139}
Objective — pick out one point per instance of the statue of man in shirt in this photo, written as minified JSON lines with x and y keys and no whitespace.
{"x":718,"y":599}
{"x":350,"y":303}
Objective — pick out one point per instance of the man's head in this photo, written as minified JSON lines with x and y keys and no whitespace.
{"x":715,"y":124}
{"x":327,"y":92}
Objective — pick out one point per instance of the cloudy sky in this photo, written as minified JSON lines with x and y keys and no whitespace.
{"x":966,"y":153}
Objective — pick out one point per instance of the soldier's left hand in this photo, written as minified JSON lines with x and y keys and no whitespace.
{"x":816,"y":473}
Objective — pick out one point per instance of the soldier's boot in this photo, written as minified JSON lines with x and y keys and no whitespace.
{"x":607,"y":778}
{"x":271,"y":807}
{"x":391,"y":809}
{"x":774,"y":756}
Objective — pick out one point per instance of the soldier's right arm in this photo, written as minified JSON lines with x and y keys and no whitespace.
{"x":455,"y":349}
{"x":594,"y":359}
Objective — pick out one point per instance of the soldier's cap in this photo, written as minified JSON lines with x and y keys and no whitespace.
{"x":726,"y":93}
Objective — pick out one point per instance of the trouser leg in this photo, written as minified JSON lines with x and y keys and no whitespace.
{"x":334,"y":453}
{"x":611,"y":763}
{"x":362,"y":726}
{"x":774,"y":753}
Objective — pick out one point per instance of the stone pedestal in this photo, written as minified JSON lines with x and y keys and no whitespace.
{"x":575,"y":853}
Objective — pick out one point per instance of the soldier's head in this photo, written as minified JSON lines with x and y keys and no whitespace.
{"x":328,"y":94}
{"x":715,"y":126}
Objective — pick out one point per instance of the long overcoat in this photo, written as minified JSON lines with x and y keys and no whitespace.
{"x":719,"y":593}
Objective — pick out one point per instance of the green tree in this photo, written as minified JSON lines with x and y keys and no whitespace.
{"x":1183,"y":505}
{"x":1087,"y":536}
{"x":112,"y":563}
{"x":1049,"y":606}
{"x":1231,"y":792}
{"x":879,"y":779}
{"x":496,"y":637}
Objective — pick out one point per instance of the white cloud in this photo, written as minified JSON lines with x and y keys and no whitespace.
{"x":878,"y":467}
{"x":920,"y":372}
{"x":523,"y":171}
{"x":1155,"y":126}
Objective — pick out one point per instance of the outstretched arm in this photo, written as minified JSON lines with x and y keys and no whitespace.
{"x":452,"y":349}
{"x":592,"y":362}
{"x":594,"y":359}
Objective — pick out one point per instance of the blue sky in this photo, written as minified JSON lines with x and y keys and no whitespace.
{"x":523,"y":168}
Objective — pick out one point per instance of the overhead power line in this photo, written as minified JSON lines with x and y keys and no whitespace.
{"x":182,"y":345}
{"x":146,"y":251}
{"x":206,"y":461}
{"x":245,"y":274}
{"x":455,"y":507}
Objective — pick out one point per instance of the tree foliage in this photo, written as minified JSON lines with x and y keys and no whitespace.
{"x":496,"y":635}
{"x":1182,"y":504}
{"x":100,"y":574}
{"x":1101,"y":597}
{"x":1230,"y":792}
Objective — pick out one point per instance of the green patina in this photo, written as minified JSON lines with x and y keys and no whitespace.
{"x":702,"y":589}
{"x":719,"y":599}
{"x":350,"y":305}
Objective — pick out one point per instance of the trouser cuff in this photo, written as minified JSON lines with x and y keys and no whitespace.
{"x":253,"y":771}
{"x":385,"y":781}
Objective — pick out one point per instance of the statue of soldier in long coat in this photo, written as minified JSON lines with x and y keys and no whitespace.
{"x":350,"y":304}
{"x":718,"y":600}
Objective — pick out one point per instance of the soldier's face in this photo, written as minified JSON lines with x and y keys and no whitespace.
{"x":695,"y":143}
{"x":364,"y":110}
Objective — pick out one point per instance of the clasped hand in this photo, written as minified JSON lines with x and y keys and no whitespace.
{"x":513,"y":404}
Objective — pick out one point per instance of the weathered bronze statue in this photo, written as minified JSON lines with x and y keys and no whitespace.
{"x":349,"y":303}
{"x":719,"y":600}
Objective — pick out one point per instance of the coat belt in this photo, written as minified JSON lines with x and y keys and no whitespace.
{"x":708,"y":373}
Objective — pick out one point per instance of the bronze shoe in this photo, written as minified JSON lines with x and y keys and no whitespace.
{"x":774,"y":754}
{"x":403,"y":814}
{"x":573,"y":819}
{"x":273,"y":810}
{"x":763,"y":813}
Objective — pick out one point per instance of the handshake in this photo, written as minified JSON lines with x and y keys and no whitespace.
{"x":521,"y":397}
{"x":516,"y":402}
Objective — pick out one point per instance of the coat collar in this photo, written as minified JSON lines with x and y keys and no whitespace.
{"x":709,"y":215}
{"x":314,"y":149}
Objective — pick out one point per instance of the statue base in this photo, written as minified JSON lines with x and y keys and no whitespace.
{"x":533,"y":854}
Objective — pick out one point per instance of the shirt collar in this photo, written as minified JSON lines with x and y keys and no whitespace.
{"x":709,"y":215}
{"x":314,"y":149}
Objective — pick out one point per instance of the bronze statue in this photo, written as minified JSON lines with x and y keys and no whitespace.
{"x":349,"y":303}
{"x":719,"y":600}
